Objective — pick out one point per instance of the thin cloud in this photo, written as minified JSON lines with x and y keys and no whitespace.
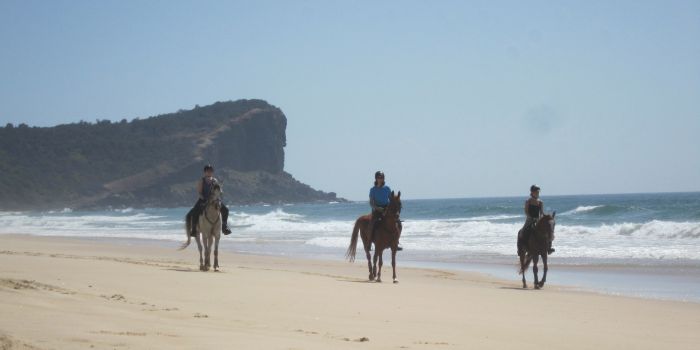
{"x":542,"y":118}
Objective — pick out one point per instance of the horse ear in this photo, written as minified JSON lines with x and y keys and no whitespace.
{"x":392,"y":194}
{"x":399,"y":195}
{"x":554,"y":213}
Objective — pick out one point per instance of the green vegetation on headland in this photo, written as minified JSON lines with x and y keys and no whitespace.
{"x":151,"y":162}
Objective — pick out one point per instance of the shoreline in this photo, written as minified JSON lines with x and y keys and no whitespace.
{"x":645,"y":279}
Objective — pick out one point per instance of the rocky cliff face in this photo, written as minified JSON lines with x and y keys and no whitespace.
{"x":152,"y":162}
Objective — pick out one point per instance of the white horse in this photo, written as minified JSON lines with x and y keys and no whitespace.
{"x":209,"y":225}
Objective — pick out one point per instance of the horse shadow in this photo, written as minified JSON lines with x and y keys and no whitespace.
{"x":515,"y":288}
{"x":188,"y":270}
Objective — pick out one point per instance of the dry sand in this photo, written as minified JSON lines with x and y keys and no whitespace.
{"x":59,"y":293}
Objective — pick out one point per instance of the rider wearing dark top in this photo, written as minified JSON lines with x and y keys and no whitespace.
{"x":378,"y":200}
{"x":534,"y":210}
{"x":204,"y":187}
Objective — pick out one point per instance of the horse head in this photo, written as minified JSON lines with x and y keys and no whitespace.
{"x":394,"y":207}
{"x":546,"y":223}
{"x":215,"y":197}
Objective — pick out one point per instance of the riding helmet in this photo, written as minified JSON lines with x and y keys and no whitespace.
{"x":379,"y":174}
{"x":208,"y":167}
{"x":534,"y":188}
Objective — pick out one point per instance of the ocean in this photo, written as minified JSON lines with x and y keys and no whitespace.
{"x":645,"y":245}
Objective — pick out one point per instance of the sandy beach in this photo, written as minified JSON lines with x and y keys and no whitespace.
{"x":61,"y":293}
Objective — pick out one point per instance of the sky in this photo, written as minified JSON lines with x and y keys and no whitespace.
{"x":448,"y":98}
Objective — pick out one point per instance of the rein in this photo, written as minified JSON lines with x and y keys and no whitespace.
{"x":397,"y":212}
{"x":218,"y":217}
{"x":544,"y":221}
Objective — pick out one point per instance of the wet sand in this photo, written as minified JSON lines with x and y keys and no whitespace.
{"x":61,"y":293}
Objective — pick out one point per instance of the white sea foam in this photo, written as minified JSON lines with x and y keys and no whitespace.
{"x":64,"y":210}
{"x":582,"y":209}
{"x":481,"y":234}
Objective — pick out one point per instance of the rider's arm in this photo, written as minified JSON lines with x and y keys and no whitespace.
{"x":525,"y":208}
{"x":199,"y":189}
{"x":541,"y":208}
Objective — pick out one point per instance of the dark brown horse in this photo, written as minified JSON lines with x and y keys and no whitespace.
{"x":536,"y":247}
{"x":386,"y":235}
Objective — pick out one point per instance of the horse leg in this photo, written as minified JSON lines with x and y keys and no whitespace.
{"x":216,"y":252}
{"x":535,"y":261}
{"x":369,"y":264}
{"x":210,"y":243}
{"x":199,"y":246}
{"x":522,"y":268}
{"x":393,"y":263}
{"x":207,"y":253}
{"x":544,"y":277}
{"x":366,"y":245}
{"x":374,"y":267}
{"x":381,"y":262}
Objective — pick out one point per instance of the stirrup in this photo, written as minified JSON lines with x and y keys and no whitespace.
{"x":226,"y":230}
{"x":550,"y":251}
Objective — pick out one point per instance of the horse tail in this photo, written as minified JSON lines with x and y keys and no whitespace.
{"x":188,"y":229}
{"x":352,"y":248}
{"x":524,"y":266}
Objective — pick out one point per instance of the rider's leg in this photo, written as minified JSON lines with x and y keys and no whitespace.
{"x":188,"y":220}
{"x":524,"y":235}
{"x":372,"y":224}
{"x":194,"y":217}
{"x":521,"y":243}
{"x":224,"y":219}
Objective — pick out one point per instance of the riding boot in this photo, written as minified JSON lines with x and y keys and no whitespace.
{"x":224,"y":220}
{"x":193,"y":226}
{"x":193,"y":216}
{"x":373,"y":222}
{"x":550,"y":250}
{"x":520,"y":244}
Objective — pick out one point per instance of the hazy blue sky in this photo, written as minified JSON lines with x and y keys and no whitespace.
{"x":449,"y":98}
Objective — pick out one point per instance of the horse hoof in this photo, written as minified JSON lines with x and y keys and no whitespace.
{"x":396,"y":281}
{"x":379,"y":280}
{"x":524,"y":286}
{"x":537,"y":286}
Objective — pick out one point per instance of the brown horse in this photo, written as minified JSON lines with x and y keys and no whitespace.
{"x":536,"y":247}
{"x":386,"y":235}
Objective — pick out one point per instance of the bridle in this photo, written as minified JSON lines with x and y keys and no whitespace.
{"x":396,"y":207}
{"x":216,"y":202}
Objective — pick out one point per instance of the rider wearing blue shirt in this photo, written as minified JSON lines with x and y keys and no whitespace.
{"x":378,"y":200}
{"x":379,"y":196}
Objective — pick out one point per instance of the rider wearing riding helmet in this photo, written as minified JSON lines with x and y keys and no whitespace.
{"x":378,"y":200}
{"x":534,"y":210}
{"x":204,"y":187}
